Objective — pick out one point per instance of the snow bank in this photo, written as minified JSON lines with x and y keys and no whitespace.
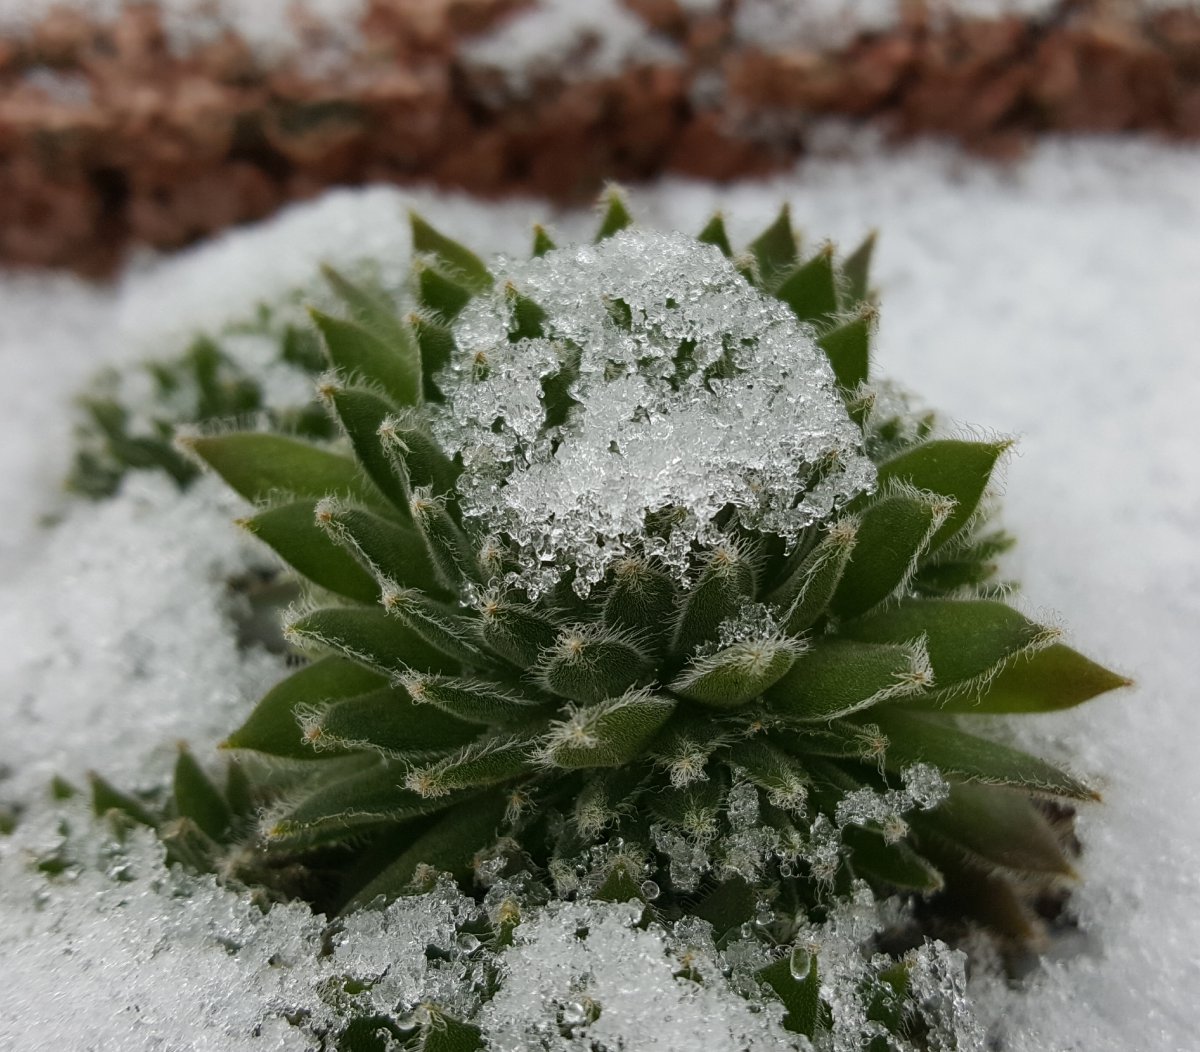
{"x":1054,"y":300}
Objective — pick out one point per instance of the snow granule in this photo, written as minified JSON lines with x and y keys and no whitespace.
{"x":705,"y":393}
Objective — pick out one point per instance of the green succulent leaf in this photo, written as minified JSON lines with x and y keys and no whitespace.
{"x":917,"y":738}
{"x":385,"y":549}
{"x":374,"y":352}
{"x":848,"y":348}
{"x":714,"y":234}
{"x":273,"y":726}
{"x":893,"y":864}
{"x":472,"y":700}
{"x":607,"y":734}
{"x":198,"y":799}
{"x":807,"y":588}
{"x":969,"y":641}
{"x":784,"y":779}
{"x":542,"y":241}
{"x":856,"y":270}
{"x":955,"y":469}
{"x":1056,"y":677}
{"x":641,"y":601}
{"x":449,"y":550}
{"x":516,"y":631}
{"x":997,"y":827}
{"x":386,"y":720}
{"x":290,"y":530}
{"x":450,"y":845}
{"x":369,"y":636}
{"x":260,"y":466}
{"x":484,"y":762}
{"x":106,"y":797}
{"x":588,"y":663}
{"x":838,"y":677}
{"x":467,"y":266}
{"x":615,"y":215}
{"x":726,"y":583}
{"x":362,"y":412}
{"x":737,"y":674}
{"x":811,"y":288}
{"x":340,"y":807}
{"x":894,"y":531}
{"x":800,"y":994}
{"x":446,"y":631}
{"x":775,"y":249}
{"x":441,"y":295}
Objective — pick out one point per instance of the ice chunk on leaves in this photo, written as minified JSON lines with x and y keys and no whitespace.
{"x":661,"y":389}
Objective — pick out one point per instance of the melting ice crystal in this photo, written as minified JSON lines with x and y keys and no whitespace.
{"x":663,"y":389}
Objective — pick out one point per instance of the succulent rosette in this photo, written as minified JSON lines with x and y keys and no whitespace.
{"x":625,"y":579}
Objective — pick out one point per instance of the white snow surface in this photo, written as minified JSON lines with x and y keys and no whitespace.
{"x":1054,"y":300}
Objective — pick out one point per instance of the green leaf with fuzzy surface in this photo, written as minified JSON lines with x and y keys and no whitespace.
{"x":811,"y":289}
{"x":516,"y":631}
{"x":775,"y":249}
{"x":856,"y":270}
{"x":616,"y":215}
{"x":589,"y":663}
{"x":441,"y":295}
{"x":726,"y":583}
{"x":607,"y":734}
{"x":968,"y":640}
{"x":848,"y":348}
{"x":439,"y":626}
{"x":370,"y":637}
{"x":641,"y":600}
{"x":374,"y":354}
{"x":894,"y":531}
{"x":273,"y":728}
{"x":807,"y":588}
{"x":444,"y":1033}
{"x":449,"y":845}
{"x":1050,"y":679}
{"x":471,"y":700}
{"x":338,"y":808}
{"x":385,"y":720}
{"x":385,"y":549}
{"x":917,"y":738}
{"x":896,"y":865}
{"x":290,"y":530}
{"x":467,"y":266}
{"x":960,"y":470}
{"x":838,"y":677}
{"x":996,"y":827}
{"x":414,"y":454}
{"x":694,"y":809}
{"x":783,"y":777}
{"x":714,"y":234}
{"x":260,"y":466}
{"x":486,"y":761}
{"x":801,"y":995}
{"x":738,"y":674}
{"x":198,"y":799}
{"x":448,"y":547}
{"x":361,"y":412}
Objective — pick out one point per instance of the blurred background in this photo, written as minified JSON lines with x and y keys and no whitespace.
{"x":127,"y":124}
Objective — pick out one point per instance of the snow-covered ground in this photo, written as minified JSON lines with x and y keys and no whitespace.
{"x":1055,"y":300}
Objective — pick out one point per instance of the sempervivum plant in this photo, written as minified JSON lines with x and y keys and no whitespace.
{"x":628,"y":582}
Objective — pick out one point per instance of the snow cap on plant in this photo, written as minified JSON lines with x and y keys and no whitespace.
{"x":627,"y":576}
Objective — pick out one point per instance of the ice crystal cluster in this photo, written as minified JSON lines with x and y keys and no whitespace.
{"x":625,"y":583}
{"x":691,"y":391}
